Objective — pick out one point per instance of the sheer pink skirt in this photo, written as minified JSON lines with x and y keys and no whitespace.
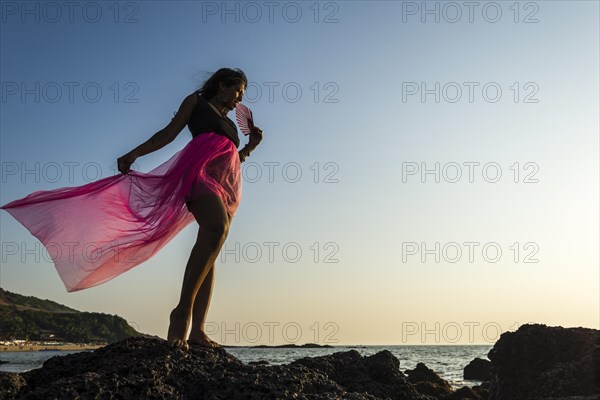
{"x":100,"y":230}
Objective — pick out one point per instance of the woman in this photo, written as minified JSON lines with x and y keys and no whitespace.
{"x":99,"y":230}
{"x":221,"y":92}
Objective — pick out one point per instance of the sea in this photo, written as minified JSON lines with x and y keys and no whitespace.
{"x":447,"y":361}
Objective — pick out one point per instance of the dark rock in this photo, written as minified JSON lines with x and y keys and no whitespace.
{"x":541,"y":362}
{"x":593,"y":397}
{"x":431,"y":389}
{"x":426,"y":381}
{"x":10,"y":384}
{"x":422,"y":373}
{"x":478,"y":369}
{"x":260,"y":362}
{"x":482,"y":390}
{"x":141,"y":368}
{"x":378,"y":375}
{"x":462,"y":394}
{"x":484,"y":385}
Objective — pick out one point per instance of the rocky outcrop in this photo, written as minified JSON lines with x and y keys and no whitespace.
{"x":539,"y":362}
{"x":426,"y":381}
{"x":379,"y":374}
{"x":478,"y":369}
{"x":465,"y":393}
{"x":138,"y":368}
{"x":10,"y":384}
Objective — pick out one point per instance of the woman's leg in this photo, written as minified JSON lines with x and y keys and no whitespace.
{"x":201,"y":303}
{"x":213,"y":222}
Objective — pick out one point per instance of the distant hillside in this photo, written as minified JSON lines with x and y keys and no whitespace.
{"x":31,"y":318}
{"x":31,"y":303}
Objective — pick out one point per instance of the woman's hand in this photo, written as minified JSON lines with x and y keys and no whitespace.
{"x":124,"y":162}
{"x":255,"y":137}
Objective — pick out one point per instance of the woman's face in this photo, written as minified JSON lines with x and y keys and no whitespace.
{"x":232,"y":95}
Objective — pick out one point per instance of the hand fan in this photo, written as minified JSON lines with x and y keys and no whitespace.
{"x":243,"y":115}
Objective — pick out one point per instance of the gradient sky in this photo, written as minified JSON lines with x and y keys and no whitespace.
{"x":356,"y":129}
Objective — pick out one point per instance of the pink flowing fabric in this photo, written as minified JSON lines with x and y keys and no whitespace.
{"x":100,"y":230}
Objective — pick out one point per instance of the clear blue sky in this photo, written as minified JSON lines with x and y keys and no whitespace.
{"x":345,"y":93}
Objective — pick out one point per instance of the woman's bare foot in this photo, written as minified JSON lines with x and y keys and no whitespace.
{"x":201,"y":339}
{"x":178,"y":325}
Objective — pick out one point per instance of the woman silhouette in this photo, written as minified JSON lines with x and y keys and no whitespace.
{"x":136,"y":214}
{"x":220,"y":93}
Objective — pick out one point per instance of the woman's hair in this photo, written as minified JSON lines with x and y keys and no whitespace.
{"x":229,"y":77}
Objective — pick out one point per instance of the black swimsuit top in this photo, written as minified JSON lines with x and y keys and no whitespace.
{"x":205,"y":119}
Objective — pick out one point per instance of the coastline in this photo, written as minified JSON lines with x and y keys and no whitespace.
{"x":47,"y":347}
{"x":413,"y":374}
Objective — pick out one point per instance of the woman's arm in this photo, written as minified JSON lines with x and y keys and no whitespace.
{"x":166,"y":135}
{"x":255,"y":138}
{"x":159,"y":140}
{"x":163,"y":137}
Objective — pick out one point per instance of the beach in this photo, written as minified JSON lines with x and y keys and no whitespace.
{"x":48,"y":347}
